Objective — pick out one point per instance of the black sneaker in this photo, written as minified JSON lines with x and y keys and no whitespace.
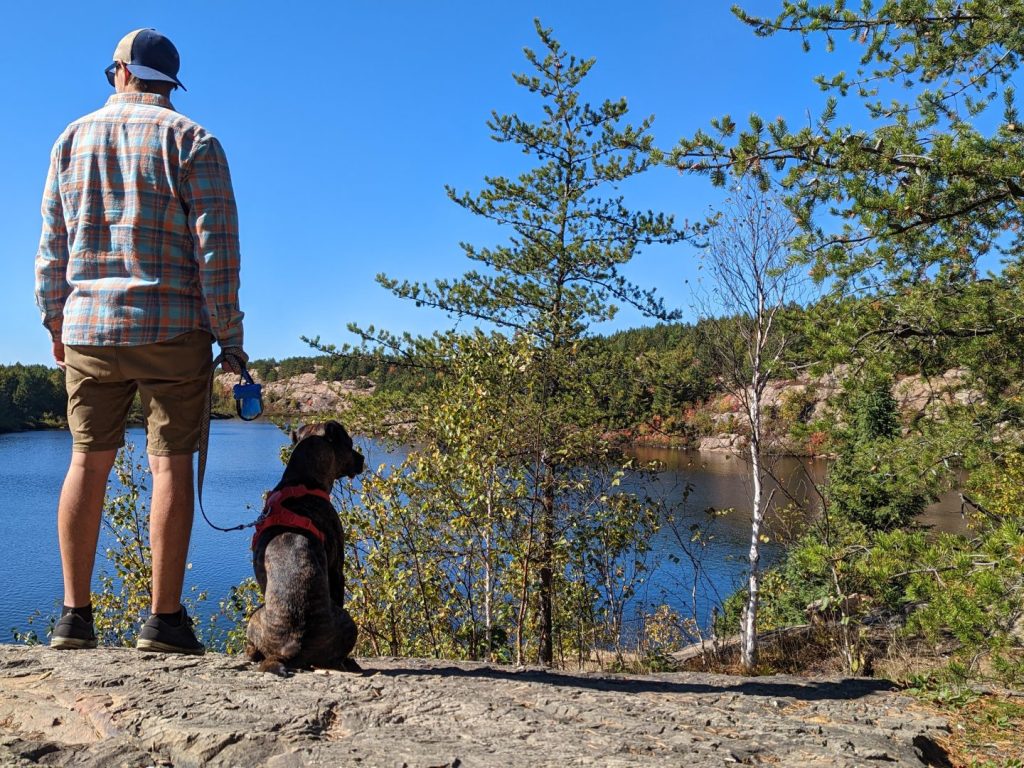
{"x":72,"y":631}
{"x":159,"y":636}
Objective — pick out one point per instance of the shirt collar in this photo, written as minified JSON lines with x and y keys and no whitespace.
{"x":134,"y":97}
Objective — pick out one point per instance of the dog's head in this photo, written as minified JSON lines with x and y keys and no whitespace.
{"x":325,"y":451}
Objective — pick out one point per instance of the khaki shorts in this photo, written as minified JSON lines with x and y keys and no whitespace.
{"x":172,"y":378}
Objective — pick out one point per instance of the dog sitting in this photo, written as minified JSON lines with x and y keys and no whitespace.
{"x":299,"y":558}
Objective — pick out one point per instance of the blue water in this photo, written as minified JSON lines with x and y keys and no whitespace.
{"x":244,"y":461}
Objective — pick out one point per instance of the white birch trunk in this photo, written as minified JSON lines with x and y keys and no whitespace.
{"x":748,"y":652}
{"x":748,"y":254}
{"x":488,"y":578}
{"x":749,"y":649}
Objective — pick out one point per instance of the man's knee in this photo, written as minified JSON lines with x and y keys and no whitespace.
{"x":93,"y":461}
{"x":176,"y":467}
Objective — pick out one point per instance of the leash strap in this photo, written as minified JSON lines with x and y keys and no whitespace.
{"x":204,"y":438}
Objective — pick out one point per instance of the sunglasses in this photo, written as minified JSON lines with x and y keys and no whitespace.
{"x":110,"y":72}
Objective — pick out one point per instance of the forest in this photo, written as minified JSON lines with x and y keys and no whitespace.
{"x":31,"y":396}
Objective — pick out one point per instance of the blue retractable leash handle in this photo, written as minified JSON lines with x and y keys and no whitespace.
{"x":248,"y":404}
{"x":248,"y":397}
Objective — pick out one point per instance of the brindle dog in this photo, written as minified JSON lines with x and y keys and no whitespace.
{"x":302,"y":622}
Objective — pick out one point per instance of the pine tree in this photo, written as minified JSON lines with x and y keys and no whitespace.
{"x":918,"y":193}
{"x":559,"y":271}
{"x":907,"y":191}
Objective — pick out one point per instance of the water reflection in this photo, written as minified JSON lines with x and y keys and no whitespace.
{"x":722,"y":480}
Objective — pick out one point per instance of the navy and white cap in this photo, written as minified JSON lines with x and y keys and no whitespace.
{"x":149,"y":56}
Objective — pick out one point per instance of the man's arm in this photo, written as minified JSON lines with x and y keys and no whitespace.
{"x":213,"y":217}
{"x":52,"y":261}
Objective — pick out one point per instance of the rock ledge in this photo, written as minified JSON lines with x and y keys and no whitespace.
{"x":118,"y":707}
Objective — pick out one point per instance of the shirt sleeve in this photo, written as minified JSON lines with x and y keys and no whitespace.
{"x":213,"y":217}
{"x":51,"y":284}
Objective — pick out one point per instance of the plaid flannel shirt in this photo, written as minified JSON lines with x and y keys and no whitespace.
{"x":140,"y":230}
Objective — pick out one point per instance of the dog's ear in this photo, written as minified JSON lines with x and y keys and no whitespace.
{"x":306,"y":430}
{"x":336,"y":434}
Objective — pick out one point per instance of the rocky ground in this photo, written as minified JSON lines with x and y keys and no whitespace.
{"x":118,"y":707}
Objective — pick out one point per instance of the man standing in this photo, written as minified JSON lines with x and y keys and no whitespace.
{"x":136,"y":276}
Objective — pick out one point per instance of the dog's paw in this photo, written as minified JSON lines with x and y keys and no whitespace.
{"x":275,"y":667}
{"x":349,"y":665}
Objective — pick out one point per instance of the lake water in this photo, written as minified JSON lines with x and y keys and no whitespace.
{"x":244,"y":461}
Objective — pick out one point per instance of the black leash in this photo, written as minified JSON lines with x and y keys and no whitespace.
{"x":248,"y":403}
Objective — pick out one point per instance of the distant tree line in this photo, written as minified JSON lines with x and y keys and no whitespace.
{"x":31,"y":396}
{"x":636,"y":376}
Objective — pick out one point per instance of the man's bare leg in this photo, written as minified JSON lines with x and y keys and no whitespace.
{"x":170,"y":528}
{"x":78,"y":521}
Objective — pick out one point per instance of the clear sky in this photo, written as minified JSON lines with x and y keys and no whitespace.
{"x":343,"y":121}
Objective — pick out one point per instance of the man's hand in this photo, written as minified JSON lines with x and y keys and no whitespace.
{"x":58,"y":353}
{"x":234,"y":360}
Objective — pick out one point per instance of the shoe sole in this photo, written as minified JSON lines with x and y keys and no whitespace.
{"x":155,"y":646}
{"x":71,"y":643}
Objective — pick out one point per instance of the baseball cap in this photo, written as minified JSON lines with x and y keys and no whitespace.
{"x":149,"y":56}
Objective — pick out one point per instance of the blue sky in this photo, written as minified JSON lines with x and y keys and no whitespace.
{"x":343,"y":121}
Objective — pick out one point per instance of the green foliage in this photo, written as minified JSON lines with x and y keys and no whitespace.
{"x":445,"y":548}
{"x":971,"y":593}
{"x":31,"y":636}
{"x":873,"y":413}
{"x":31,"y":396}
{"x":986,"y":727}
{"x":971,"y":589}
{"x":435,"y":539}
{"x":902,"y":218}
{"x":662,"y":368}
{"x":560,"y":270}
{"x":948,"y":686}
{"x":960,"y":594}
{"x":664,"y":632}
{"x":924,"y":187}
{"x":836,"y":558}
{"x":227,"y":627}
{"x":872,"y":479}
{"x":125,"y":595}
{"x":385,"y":372}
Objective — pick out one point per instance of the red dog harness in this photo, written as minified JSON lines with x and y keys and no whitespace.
{"x":276,"y":515}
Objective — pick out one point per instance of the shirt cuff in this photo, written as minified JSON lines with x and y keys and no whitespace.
{"x":55,"y":327}
{"x":230,"y":338}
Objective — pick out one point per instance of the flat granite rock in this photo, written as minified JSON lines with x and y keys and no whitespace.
{"x":118,"y":707}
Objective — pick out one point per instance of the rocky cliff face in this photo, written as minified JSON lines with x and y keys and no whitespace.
{"x":118,"y":707}
{"x":303,"y":394}
{"x":808,"y":399}
{"x":804,"y":398}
